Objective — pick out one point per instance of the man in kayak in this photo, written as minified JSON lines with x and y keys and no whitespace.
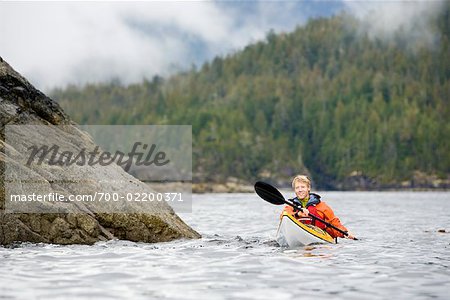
{"x":311,"y":204}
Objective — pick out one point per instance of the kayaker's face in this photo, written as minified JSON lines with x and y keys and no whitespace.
{"x":301,"y":190}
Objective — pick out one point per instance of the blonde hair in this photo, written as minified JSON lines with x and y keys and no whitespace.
{"x":301,"y":178}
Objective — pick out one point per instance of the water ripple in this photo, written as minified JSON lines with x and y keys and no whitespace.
{"x":237,"y":257}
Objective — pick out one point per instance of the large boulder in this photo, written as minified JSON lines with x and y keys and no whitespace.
{"x":68,"y":223}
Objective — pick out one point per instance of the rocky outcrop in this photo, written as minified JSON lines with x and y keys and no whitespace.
{"x":357,"y":180}
{"x":68,"y":223}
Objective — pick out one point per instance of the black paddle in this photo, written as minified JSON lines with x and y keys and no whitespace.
{"x":272,"y":195}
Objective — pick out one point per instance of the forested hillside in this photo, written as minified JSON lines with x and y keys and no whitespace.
{"x":325,"y":99}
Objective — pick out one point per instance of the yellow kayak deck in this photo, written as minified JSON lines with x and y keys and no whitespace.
{"x":292,"y":232}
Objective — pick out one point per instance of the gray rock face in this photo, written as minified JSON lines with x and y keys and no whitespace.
{"x":68,"y":223}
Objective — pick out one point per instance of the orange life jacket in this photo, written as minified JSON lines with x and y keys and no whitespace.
{"x":324,"y":212}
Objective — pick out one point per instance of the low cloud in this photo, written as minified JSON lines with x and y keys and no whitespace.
{"x":59,"y":43}
{"x":386,"y":19}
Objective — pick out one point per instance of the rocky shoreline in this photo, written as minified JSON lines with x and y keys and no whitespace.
{"x":355,"y":181}
{"x":227,"y":187}
{"x":202,"y":188}
{"x":419,"y":181}
{"x":37,"y":120}
{"x":422,"y":183}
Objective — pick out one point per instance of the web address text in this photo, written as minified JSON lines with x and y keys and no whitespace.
{"x":98,"y":197}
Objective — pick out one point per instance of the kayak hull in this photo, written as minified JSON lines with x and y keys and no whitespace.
{"x":292,"y":233}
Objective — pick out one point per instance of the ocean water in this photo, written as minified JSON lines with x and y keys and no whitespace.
{"x":401,"y":254}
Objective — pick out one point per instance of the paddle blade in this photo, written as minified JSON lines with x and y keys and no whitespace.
{"x":269,"y":193}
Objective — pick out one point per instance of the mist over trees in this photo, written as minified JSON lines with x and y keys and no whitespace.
{"x":326,"y":99}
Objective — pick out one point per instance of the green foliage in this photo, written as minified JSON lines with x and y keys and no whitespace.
{"x":324,"y":98}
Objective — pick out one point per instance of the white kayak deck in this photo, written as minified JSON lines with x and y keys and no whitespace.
{"x":293,"y":233}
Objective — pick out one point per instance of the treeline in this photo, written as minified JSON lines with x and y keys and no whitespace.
{"x":324,"y":99}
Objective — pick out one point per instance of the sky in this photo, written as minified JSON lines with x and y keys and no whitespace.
{"x":54,"y":44}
